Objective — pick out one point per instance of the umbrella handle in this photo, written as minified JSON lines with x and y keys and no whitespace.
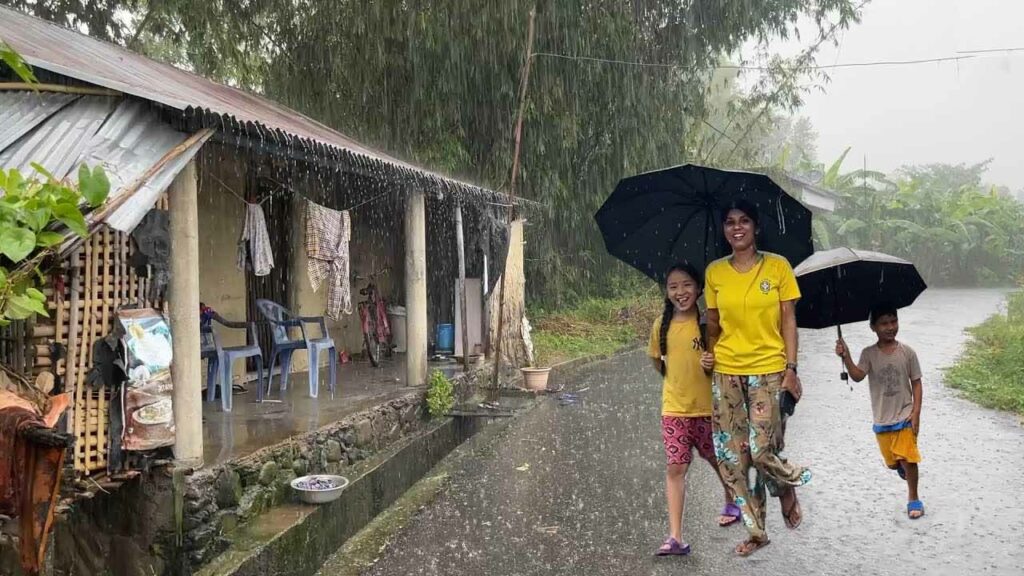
{"x":843,"y":375}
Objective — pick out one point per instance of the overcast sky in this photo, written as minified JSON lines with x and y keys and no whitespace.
{"x":952,"y":112}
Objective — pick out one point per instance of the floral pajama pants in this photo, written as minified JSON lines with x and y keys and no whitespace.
{"x":748,"y":435}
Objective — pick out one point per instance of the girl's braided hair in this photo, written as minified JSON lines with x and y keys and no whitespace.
{"x":670,"y":308}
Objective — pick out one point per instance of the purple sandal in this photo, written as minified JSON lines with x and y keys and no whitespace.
{"x":732,"y":511}
{"x":673,"y":547}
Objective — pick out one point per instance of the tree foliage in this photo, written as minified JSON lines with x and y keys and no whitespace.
{"x":942,"y":217}
{"x":436,"y":83}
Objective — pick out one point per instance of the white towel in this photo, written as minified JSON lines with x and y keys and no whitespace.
{"x":258,"y":250}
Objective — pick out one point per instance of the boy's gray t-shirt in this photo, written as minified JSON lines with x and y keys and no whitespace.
{"x":889,"y":376}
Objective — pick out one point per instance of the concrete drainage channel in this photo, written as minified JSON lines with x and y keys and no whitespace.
{"x":297,"y":539}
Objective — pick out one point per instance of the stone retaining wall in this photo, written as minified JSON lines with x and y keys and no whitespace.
{"x":133,"y":530}
{"x":218,"y":499}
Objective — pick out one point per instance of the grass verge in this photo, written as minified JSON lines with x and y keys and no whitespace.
{"x":990,"y":371}
{"x":594,"y":327}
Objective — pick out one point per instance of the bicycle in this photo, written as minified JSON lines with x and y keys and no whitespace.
{"x":373,"y":321}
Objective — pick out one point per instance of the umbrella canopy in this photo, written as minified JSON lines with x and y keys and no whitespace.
{"x":654,"y":220}
{"x":840,"y":286}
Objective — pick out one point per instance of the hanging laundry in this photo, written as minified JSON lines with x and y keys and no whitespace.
{"x":254,"y":244}
{"x":327,"y":236}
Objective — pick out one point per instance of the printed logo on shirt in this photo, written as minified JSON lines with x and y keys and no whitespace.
{"x":766,"y":286}
{"x":697,"y":344}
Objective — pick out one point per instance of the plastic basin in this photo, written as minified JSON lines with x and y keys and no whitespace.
{"x":319,"y":496}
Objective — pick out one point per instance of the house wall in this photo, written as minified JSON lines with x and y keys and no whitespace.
{"x":221,"y":216}
{"x":378,"y":242}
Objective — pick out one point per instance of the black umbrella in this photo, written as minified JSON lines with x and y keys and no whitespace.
{"x":840,"y":286}
{"x":654,"y":220}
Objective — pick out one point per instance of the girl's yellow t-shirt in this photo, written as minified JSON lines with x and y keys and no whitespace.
{"x":686,"y":390}
{"x":751,"y":342}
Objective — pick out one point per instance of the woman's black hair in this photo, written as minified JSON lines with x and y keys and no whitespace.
{"x":745,"y":206}
{"x":670,"y":308}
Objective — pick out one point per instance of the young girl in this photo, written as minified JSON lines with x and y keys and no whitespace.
{"x":677,"y":349}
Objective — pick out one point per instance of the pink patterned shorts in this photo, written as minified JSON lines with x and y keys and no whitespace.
{"x":682,"y":435}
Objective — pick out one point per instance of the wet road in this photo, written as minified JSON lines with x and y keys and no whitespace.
{"x":579,"y":489}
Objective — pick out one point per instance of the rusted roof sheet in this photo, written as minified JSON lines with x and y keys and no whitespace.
{"x":75,"y":55}
{"x":126,"y":137}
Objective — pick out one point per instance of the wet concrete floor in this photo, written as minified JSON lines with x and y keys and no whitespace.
{"x":251,"y":426}
{"x":578,"y":489}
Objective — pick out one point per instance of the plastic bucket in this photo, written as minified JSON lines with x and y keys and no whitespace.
{"x":445,"y":338}
{"x":396,"y":316}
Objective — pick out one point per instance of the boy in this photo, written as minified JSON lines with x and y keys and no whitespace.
{"x":894,"y":377}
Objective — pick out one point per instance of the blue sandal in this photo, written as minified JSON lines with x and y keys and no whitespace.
{"x":673,"y":547}
{"x":915,"y":506}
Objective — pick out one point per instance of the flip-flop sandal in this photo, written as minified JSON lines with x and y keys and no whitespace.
{"x":673,"y":547}
{"x":751,"y":546}
{"x":732,"y":511}
{"x":915,"y":506}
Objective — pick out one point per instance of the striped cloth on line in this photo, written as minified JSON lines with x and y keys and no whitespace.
{"x":327,"y":236}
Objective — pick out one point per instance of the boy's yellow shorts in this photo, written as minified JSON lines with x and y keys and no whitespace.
{"x":898,"y":445}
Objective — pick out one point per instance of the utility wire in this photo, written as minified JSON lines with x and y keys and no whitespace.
{"x":965,"y":56}
{"x":990,"y":50}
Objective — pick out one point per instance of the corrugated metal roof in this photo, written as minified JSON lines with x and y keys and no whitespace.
{"x":75,"y":55}
{"x":59,"y":136}
{"x":22,"y":111}
{"x":126,"y":137}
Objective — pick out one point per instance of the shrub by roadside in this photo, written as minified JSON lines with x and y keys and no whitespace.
{"x":593,"y":327}
{"x":991,"y":369}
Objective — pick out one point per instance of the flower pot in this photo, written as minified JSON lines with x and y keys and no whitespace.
{"x":536,"y":379}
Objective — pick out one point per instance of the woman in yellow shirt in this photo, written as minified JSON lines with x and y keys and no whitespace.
{"x":751,"y":298}
{"x":677,"y":349}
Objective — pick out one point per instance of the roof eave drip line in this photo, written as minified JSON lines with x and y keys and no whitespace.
{"x":313,"y":151}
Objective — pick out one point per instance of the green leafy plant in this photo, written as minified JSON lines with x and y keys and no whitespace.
{"x":32,"y":209}
{"x":989,"y":371}
{"x":14,"y":60}
{"x":440,"y":395}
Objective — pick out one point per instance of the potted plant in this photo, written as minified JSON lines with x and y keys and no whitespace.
{"x":535,"y":379}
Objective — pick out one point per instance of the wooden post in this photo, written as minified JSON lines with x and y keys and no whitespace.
{"x":485,"y":298}
{"x":416,"y":288}
{"x":183,"y":305}
{"x":460,"y":239}
{"x":512,"y":192}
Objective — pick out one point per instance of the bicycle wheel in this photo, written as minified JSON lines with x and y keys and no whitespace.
{"x":372,"y":347}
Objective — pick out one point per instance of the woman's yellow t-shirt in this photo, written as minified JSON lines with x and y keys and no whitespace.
{"x":686,"y":390}
{"x":749,"y":314}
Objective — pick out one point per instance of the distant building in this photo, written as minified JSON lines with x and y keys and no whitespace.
{"x":817,"y":198}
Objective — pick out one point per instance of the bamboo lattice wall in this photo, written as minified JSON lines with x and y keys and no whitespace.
{"x":98,"y":279}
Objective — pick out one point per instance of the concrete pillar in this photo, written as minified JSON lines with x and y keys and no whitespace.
{"x":183,"y":306}
{"x":416,"y":288}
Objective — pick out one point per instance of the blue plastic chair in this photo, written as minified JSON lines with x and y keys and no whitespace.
{"x":284,"y":346}
{"x":209,"y":351}
{"x":220,"y":359}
